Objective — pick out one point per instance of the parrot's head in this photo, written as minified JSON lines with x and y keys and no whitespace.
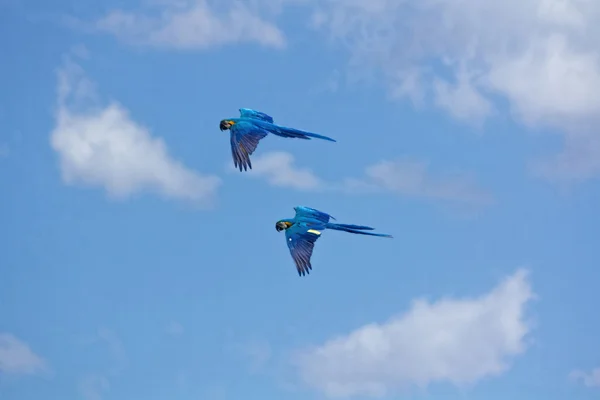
{"x":282,"y":225}
{"x":226,"y":124}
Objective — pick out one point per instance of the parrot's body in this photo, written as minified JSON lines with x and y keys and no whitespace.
{"x":302,"y":231}
{"x":250,"y":128}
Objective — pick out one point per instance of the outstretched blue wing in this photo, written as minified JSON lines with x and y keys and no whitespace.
{"x":307,"y":212}
{"x":301,"y":241}
{"x":244,"y":138}
{"x":253,"y":114}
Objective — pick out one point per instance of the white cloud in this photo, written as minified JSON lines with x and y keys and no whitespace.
{"x":591,"y":379}
{"x":115,"y":348}
{"x":401,"y":177}
{"x":550,"y":81}
{"x":413,"y":178}
{"x":193,"y":24}
{"x":541,"y":56}
{"x":93,"y":387}
{"x":538,"y":55}
{"x":462,"y":100}
{"x":103,"y":146}
{"x":17,"y":358}
{"x":579,"y":161}
{"x":279,"y":169}
{"x":458,"y":341}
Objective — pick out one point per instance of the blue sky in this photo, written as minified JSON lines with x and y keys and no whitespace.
{"x":137,"y":263}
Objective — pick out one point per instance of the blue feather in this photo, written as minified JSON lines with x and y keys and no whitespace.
{"x":250,"y":128}
{"x":303,"y":211}
{"x":301,"y":242}
{"x":253,"y":114}
{"x":306,"y":227}
{"x":290,"y":132}
{"x":348,"y":228}
{"x":244,"y":140}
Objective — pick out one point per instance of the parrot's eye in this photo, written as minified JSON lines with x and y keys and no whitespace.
{"x":280,"y":226}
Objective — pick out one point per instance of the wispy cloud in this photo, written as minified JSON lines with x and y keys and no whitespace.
{"x":17,"y":358}
{"x":578,"y":162}
{"x":188,"y":25}
{"x":174,"y":328}
{"x":588,"y":379}
{"x":103,"y":146}
{"x":93,"y":387}
{"x":415,"y":179}
{"x":4,"y":150}
{"x":539,"y":56}
{"x":257,"y":353}
{"x":216,"y":392}
{"x":458,"y":341}
{"x":279,"y":169}
{"x":462,"y":100}
{"x":403,"y":177}
{"x":115,"y":348}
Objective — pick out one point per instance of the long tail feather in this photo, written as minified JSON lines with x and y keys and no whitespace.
{"x":296,"y":133}
{"x":351,"y":226}
{"x":288,"y":132}
{"x":308,"y":134}
{"x":356,"y":229}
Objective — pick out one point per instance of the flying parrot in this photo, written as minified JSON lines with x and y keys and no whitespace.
{"x":302,"y":231}
{"x":250,"y":128}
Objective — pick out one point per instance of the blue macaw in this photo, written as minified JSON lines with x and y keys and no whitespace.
{"x":250,"y":128}
{"x":302,"y":231}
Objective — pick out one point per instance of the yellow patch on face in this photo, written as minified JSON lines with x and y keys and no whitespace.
{"x":231,"y":122}
{"x":314,"y":231}
{"x":288,"y":224}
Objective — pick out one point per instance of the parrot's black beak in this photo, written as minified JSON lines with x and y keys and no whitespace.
{"x":224,"y":125}
{"x":280,"y":226}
